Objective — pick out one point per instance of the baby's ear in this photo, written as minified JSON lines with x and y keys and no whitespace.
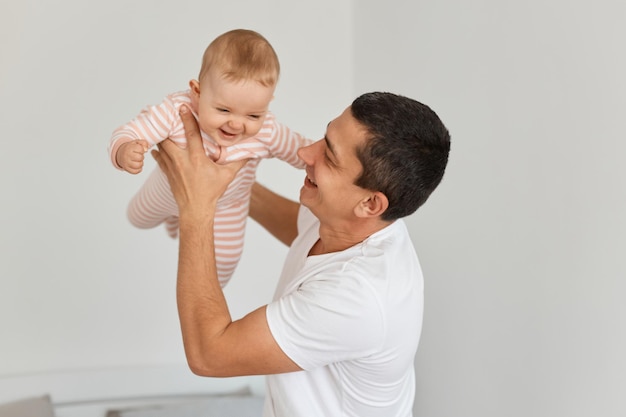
{"x":194,"y":85}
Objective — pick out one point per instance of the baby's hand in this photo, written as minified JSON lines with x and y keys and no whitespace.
{"x":130,"y":156}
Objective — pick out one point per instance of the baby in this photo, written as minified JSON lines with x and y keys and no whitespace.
{"x":230,"y":99}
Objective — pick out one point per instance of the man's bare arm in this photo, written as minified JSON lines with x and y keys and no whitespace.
{"x":214,"y":344}
{"x":277,"y":214}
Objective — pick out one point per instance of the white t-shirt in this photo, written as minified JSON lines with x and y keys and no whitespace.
{"x":352,"y":321}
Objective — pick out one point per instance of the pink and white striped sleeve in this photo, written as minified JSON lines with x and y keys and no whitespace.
{"x":284,"y":143}
{"x":153,"y":124}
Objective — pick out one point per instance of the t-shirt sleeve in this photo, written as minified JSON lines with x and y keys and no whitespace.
{"x":333,"y":317}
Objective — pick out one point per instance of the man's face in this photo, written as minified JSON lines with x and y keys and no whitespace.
{"x":331,"y":170}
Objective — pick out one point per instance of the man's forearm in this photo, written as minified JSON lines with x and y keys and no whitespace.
{"x":202,"y":308}
{"x":214,"y":344}
{"x":278,"y":215}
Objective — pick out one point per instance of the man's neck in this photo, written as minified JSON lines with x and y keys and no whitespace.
{"x":341,"y":238}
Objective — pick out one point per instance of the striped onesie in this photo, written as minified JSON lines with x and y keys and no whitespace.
{"x":154,"y":203}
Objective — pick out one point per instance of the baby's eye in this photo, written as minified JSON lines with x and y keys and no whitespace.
{"x":255,"y":116}
{"x":222,"y":110}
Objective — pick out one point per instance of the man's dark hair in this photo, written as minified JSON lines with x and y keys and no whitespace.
{"x":406,"y":151}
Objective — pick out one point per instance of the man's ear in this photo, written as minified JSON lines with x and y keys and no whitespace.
{"x":374,"y":205}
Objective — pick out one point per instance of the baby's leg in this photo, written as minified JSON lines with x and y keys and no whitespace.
{"x":154,"y":203}
{"x":230,"y":226}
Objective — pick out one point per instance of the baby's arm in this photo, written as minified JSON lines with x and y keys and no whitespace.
{"x":284,"y":144}
{"x":130,"y":141}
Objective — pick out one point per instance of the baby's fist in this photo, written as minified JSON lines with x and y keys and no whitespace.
{"x":130,"y":156}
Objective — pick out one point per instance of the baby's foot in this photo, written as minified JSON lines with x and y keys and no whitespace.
{"x":171,"y":225}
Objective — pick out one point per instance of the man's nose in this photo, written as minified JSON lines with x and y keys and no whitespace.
{"x":305,"y":153}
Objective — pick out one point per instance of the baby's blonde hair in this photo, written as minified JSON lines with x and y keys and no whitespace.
{"x":242,"y":54}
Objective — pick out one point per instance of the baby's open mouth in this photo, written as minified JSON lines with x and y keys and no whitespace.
{"x":227,"y":134}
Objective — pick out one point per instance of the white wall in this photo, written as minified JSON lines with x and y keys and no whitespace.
{"x":79,"y":287}
{"x":523,"y":245}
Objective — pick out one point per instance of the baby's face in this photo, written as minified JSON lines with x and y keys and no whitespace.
{"x":231,"y":111}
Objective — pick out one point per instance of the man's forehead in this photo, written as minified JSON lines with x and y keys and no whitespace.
{"x":344,"y":130}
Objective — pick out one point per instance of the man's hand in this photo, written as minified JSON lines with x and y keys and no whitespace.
{"x":129,"y":156}
{"x":196,"y":181}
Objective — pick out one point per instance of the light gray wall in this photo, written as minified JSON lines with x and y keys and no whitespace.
{"x":79,"y":287}
{"x":523,"y":245}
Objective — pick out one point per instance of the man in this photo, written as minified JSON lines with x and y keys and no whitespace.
{"x":340,"y":337}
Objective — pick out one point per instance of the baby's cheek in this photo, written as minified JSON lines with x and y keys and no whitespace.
{"x":255,"y":128}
